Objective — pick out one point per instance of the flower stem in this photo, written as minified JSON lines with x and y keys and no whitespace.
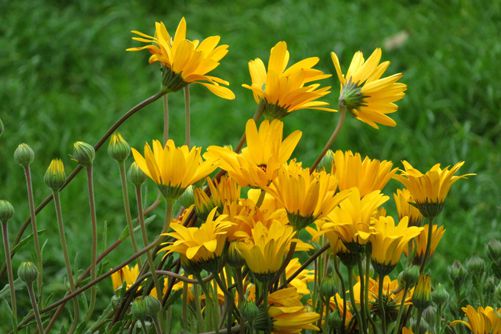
{"x":36,"y":311}
{"x":166,"y":117}
{"x":343,"y":295}
{"x":332,"y":138}
{"x":10,"y":274}
{"x":381,"y":304}
{"x":352,"y":298}
{"x":33,"y":219}
{"x":187,"y":132}
{"x":92,"y":208}
{"x":125,"y":196}
{"x":428,"y":245}
{"x":168,"y":215}
{"x":64,"y":245}
{"x":362,"y":295}
{"x":401,"y":310}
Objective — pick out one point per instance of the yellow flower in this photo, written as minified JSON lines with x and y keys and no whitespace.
{"x":364,"y":93}
{"x":184,"y":61}
{"x":260,"y":161}
{"x":127,"y":275}
{"x":306,"y":197}
{"x":481,"y":320}
{"x":300,"y":282}
{"x":351,"y":220}
{"x":367,"y":174}
{"x":403,"y":200}
{"x":199,"y":245}
{"x":283,"y":91}
{"x":338,"y":305}
{"x":422,"y":240}
{"x":288,"y":314}
{"x":220,"y":193}
{"x":421,"y":298}
{"x":389,"y":242}
{"x":266,"y":248}
{"x":429,"y":190}
{"x":172,"y":168}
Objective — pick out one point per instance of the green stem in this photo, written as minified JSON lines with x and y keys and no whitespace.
{"x":64,"y":245}
{"x":156,"y":325}
{"x":125,"y":197}
{"x":352,"y":297}
{"x":198,"y":308}
{"x":92,"y":208}
{"x":362,"y":295}
{"x":265,"y":301}
{"x":428,"y":245}
{"x":343,"y":295}
{"x":166,"y":117}
{"x":332,"y":138}
{"x":401,"y":310}
{"x":187,"y":132}
{"x":33,"y":219}
{"x":381,"y":304}
{"x":10,"y":274}
{"x":34,"y":303}
{"x":168,"y":215}
{"x":418,"y":321}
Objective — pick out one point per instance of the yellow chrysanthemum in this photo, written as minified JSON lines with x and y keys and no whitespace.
{"x":388,"y":242}
{"x":364,"y":93}
{"x":403,"y":200}
{"x":283,"y":91}
{"x":422,"y":240}
{"x":184,"y":61}
{"x":300,"y":282}
{"x":288,"y":314}
{"x":367,"y":174}
{"x":266,"y":248}
{"x":351,"y":220}
{"x":173,"y":168}
{"x":220,"y":193}
{"x":127,"y":275}
{"x":481,"y":320}
{"x":199,"y":245}
{"x":421,"y":298}
{"x":259,"y":162}
{"x":305,"y":196}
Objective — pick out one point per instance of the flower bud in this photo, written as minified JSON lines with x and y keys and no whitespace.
{"x":457,"y":273}
{"x":136,"y":175}
{"x":54,"y":176}
{"x":475,"y":266}
{"x":326,"y":162}
{"x":334,"y":320}
{"x":249,"y":310}
{"x":186,"y":199}
{"x":234,"y":257}
{"x":497,"y":294}
{"x":138,"y":309}
{"x":1,"y":127}
{"x":440,"y":296}
{"x":489,"y":285}
{"x":6,"y":211}
{"x":152,"y":306}
{"x":118,"y":148}
{"x":24,"y":155}
{"x":409,"y":277}
{"x":422,"y":293}
{"x":83,"y":153}
{"x":494,"y":250}
{"x":27,"y":272}
{"x":328,"y":288}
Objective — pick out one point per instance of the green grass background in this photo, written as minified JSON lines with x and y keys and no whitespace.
{"x":65,"y":76}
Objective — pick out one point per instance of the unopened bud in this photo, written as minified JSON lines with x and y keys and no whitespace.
{"x":328,"y":288}
{"x":422,"y":293}
{"x":24,"y":155}
{"x":27,"y":272}
{"x":6,"y":211}
{"x":409,"y":277}
{"x":234,"y":257}
{"x":334,"y":320}
{"x":152,"y":306}
{"x":138,"y":309}
{"x":249,"y":310}
{"x":186,"y":199}
{"x":497,"y":294}
{"x":136,"y":175}
{"x":494,"y":250}
{"x":1,"y":128}
{"x":326,"y":162}
{"x":83,"y":153}
{"x":54,"y":176}
{"x":118,"y":148}
{"x":440,"y":296}
{"x":475,"y":266}
{"x":457,"y":273}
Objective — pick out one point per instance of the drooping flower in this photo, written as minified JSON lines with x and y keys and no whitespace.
{"x":259,"y":162}
{"x":367,"y":174}
{"x":364,"y":93}
{"x":403,"y":200}
{"x":422,"y":240}
{"x":183,"y":61}
{"x":481,"y":320}
{"x":430,"y":189}
{"x":283,"y":91}
{"x":173,"y":168}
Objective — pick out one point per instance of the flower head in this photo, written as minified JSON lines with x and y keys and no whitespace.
{"x":283,"y":91}
{"x":222,"y":192}
{"x":172,"y":168}
{"x":481,"y":320}
{"x":259,"y":162}
{"x":364,"y":93}
{"x":184,"y":61}
{"x":127,"y":275}
{"x":403,"y":200}
{"x":422,"y":240}
{"x":55,"y":177}
{"x":421,"y":298}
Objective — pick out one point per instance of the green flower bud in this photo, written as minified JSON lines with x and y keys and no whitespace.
{"x":249,"y":310}
{"x":440,"y":296}
{"x":475,"y":266}
{"x":152,"y":306}
{"x":234,"y":257}
{"x":118,"y":148}
{"x":263,"y":321}
{"x":409,"y":277}
{"x":334,"y":320}
{"x":187,"y":198}
{"x":494,"y":250}
{"x":457,"y":273}
{"x":83,"y":153}
{"x":24,"y":155}
{"x":54,"y":176}
{"x":326,"y":162}
{"x":1,"y":127}
{"x":136,"y":175}
{"x":328,"y":288}
{"x":138,"y":309}
{"x":6,"y":211}
{"x":421,"y":298}
{"x":490,"y":285}
{"x":497,"y":294}
{"x":27,"y":272}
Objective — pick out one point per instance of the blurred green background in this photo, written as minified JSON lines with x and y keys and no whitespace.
{"x":65,"y":76}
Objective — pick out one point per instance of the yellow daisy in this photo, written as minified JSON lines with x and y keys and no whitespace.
{"x":184,"y":61}
{"x":422,"y":240}
{"x":403,"y":200}
{"x":127,"y":275}
{"x":172,"y":168}
{"x":364,"y":93}
{"x":481,"y":320}
{"x":284,"y":90}
{"x":220,"y":193}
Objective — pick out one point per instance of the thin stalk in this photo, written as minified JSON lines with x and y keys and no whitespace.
{"x":156,"y":325}
{"x":77,"y":169}
{"x":198,"y":308}
{"x":34,"y":304}
{"x":352,"y":298}
{"x":64,"y":246}
{"x":143,"y":326}
{"x":33,"y":215}
{"x":367,"y":279}
{"x":343,"y":295}
{"x":92,"y":208}
{"x":184,"y":314}
{"x":362,"y":295}
{"x":166,"y":118}
{"x":305,"y":265}
{"x":332,"y":138}
{"x":125,"y":197}
{"x":401,"y":309}
{"x":187,"y":131}
{"x":10,"y":274}
{"x":261,"y":197}
{"x":418,"y":321}
{"x":265,"y":301}
{"x":168,"y":215}
{"x":428,"y":245}
{"x":381,"y":305}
